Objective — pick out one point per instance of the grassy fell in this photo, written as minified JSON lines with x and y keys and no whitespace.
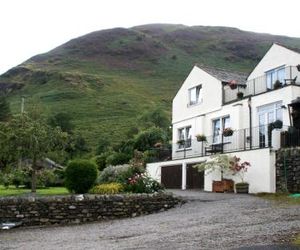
{"x":106,"y":78}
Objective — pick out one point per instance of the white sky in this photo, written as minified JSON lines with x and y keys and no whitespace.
{"x":30,"y":27}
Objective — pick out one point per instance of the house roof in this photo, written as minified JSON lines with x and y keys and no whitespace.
{"x":289,"y":47}
{"x":225,"y":75}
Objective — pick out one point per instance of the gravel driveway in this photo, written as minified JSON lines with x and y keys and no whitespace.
{"x":206,"y":221}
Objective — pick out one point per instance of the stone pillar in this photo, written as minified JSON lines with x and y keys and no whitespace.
{"x":183,"y":182}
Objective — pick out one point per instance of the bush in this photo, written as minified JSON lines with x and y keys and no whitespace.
{"x":142,"y":183}
{"x":146,"y":140}
{"x":109,"y":188}
{"x":117,"y":158}
{"x":119,"y":173}
{"x":80,"y":176}
{"x":100,"y":161}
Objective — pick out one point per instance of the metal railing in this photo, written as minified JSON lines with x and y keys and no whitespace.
{"x":259,"y":85}
{"x":240,"y":140}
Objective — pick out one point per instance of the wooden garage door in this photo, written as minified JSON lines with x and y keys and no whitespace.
{"x":171,"y":176}
{"x":194,"y":179}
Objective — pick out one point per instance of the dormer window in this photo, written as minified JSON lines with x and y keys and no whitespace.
{"x":274,"y":75}
{"x":195,"y":95}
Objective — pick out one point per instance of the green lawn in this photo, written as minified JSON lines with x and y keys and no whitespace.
{"x":12,"y":191}
{"x":280,"y":198}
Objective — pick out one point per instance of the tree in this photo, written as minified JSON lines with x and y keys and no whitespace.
{"x":33,"y":139}
{"x":155,"y":117}
{"x":4,"y":109}
{"x":62,"y":120}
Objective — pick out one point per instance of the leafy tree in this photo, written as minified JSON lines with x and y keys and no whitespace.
{"x":155,"y":117}
{"x":103,"y":145}
{"x":4,"y":109}
{"x":33,"y":139}
{"x":147,"y":139}
{"x":76,"y":146}
{"x":62,"y":120}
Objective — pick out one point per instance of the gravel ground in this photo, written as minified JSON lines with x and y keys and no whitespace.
{"x":206,"y":221}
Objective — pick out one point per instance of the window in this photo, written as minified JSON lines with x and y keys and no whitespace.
{"x":195,"y":95}
{"x":218,"y":126}
{"x":274,"y":75}
{"x":185,"y":135}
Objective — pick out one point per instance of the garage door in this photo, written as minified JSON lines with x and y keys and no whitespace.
{"x":194,"y":179}
{"x":171,"y":176}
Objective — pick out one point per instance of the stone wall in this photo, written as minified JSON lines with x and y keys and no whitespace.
{"x":76,"y":209}
{"x":288,"y":170}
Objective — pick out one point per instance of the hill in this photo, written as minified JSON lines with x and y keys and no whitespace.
{"x":105,"y":79}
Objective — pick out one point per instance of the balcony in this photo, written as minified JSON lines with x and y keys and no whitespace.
{"x":260,"y":85}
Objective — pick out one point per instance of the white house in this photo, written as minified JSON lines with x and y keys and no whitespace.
{"x":211,"y":100}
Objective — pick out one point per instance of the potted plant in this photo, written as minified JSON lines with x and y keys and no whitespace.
{"x":201,"y":137}
{"x":277,"y":84}
{"x":219,"y":163}
{"x":227,"y":132}
{"x":240,"y":168}
{"x":232,"y":84}
{"x":298,"y":67}
{"x":277,"y":124}
{"x":240,"y":95}
{"x":181,"y":142}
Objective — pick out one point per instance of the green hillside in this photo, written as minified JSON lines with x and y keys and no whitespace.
{"x":105,"y":79}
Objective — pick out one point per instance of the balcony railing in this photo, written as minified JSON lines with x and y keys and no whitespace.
{"x":259,"y":85}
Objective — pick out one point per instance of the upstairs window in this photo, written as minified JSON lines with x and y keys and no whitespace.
{"x":184,"y":134}
{"x":195,"y":95}
{"x":273,"y":75}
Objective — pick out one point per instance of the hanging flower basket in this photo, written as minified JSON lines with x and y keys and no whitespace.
{"x":201,"y":138}
{"x":298,"y":67}
{"x":181,"y":142}
{"x":227,"y":132}
{"x":240,"y":95}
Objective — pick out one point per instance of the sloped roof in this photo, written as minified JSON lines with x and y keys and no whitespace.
{"x":289,"y":47}
{"x":224,"y":75}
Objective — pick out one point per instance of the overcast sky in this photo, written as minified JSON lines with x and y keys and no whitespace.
{"x":30,"y":27}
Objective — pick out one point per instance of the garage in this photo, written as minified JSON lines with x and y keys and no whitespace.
{"x":171,"y":176}
{"x":194,"y":179}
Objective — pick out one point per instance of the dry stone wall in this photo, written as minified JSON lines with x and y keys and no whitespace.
{"x":288,"y":170}
{"x":33,"y":211}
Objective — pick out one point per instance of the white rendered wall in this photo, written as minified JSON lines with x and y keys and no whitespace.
{"x":275,"y":57}
{"x":211,"y":91}
{"x":260,"y":176}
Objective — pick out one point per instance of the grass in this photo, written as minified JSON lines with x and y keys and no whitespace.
{"x":118,"y":77}
{"x":280,"y":198}
{"x":13,"y":191}
{"x":297,"y":240}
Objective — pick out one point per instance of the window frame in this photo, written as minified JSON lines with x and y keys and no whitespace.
{"x":199,"y":97}
{"x":222,"y":123}
{"x":187,"y":136}
{"x":272,"y":76}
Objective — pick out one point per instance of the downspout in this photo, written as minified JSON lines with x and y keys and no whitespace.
{"x":250,"y":120}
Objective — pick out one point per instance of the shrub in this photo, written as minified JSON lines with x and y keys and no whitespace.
{"x":117,"y":158}
{"x":142,"y":183}
{"x":109,"y":188}
{"x":119,"y":173}
{"x":80,"y":176}
{"x":100,"y":160}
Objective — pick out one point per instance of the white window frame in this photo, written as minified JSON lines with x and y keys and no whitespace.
{"x":222,"y":127}
{"x":198,"y":95}
{"x":273,"y":75}
{"x":187,"y":137}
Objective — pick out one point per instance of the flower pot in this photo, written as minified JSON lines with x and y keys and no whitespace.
{"x":240,"y":95}
{"x":277,"y":85}
{"x":233,"y":86}
{"x":225,"y":185}
{"x":227,"y":133}
{"x":201,"y":138}
{"x":242,"y":188}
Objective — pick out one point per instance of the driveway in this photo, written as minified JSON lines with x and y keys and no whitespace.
{"x":206,"y":221}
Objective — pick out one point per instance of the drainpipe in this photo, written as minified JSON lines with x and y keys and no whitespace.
{"x":250,"y":120}
{"x":183,"y":181}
